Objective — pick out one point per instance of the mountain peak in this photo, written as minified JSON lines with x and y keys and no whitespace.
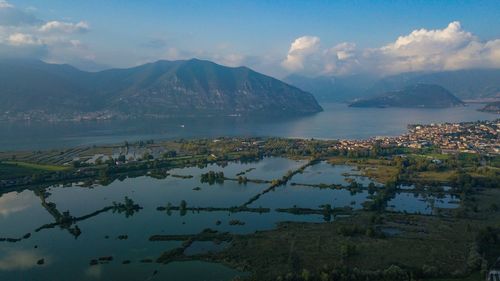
{"x":160,"y":89}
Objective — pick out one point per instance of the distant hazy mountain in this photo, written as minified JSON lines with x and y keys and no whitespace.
{"x":414,"y":96}
{"x":34,"y":85}
{"x":339,"y":89}
{"x":164,"y":88}
{"x":493,"y":107}
{"x":465,"y":84}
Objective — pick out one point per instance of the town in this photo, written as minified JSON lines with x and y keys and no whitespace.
{"x":469,"y":137}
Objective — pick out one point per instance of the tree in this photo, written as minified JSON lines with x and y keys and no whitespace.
{"x":147,"y":156}
{"x":122,"y":158}
{"x":347,"y":250}
{"x":170,"y":154}
{"x":183,"y":208}
{"x":306,"y":275}
{"x":77,"y":164}
{"x":395,"y":273}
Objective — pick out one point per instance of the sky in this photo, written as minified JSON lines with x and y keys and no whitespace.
{"x":278,"y":38}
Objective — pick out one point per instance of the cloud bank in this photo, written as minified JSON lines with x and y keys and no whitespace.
{"x":449,"y":48}
{"x":64,"y":27}
{"x":24,"y":35}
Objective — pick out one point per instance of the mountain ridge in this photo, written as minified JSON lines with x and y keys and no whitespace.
{"x":467,"y":84}
{"x":160,"y":89}
{"x":413,"y":96}
{"x":492,"y":107}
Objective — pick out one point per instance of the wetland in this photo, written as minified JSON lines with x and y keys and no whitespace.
{"x":211,"y":211}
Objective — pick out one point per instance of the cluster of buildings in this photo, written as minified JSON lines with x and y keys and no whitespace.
{"x":41,"y":115}
{"x":360,"y":144}
{"x":472,"y":137}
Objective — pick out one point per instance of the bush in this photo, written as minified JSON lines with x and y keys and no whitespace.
{"x":347,"y":250}
{"x":430,"y":271}
{"x":395,"y":273}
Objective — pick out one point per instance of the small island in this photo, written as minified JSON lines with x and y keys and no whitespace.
{"x":493,"y":107}
{"x":414,"y":96}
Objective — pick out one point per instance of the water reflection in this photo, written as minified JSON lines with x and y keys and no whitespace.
{"x":72,"y":226}
{"x":20,"y":260}
{"x":14,"y":202}
{"x":422,"y":204}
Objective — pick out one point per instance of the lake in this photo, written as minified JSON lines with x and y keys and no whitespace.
{"x":125,"y":236}
{"x":337,"y":121}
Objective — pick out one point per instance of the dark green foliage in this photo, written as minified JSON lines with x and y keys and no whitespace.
{"x":212,"y":177}
{"x":486,"y":236}
{"x":183,"y":208}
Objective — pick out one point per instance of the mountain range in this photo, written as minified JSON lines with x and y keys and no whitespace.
{"x":414,"y":96}
{"x":33,"y":89}
{"x":39,"y":90}
{"x":469,"y":84}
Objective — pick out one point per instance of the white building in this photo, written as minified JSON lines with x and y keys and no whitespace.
{"x":494,"y":273}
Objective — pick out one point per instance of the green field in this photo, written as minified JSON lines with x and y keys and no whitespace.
{"x":34,"y":166}
{"x":376,"y":169}
{"x":14,"y":169}
{"x":444,"y":177}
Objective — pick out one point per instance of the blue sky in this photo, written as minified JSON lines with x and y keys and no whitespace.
{"x":338,"y":37}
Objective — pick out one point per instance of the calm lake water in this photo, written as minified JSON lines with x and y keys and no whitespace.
{"x":336,"y":121}
{"x":67,"y":257}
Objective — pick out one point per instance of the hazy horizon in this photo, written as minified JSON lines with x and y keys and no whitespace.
{"x":319,"y":38}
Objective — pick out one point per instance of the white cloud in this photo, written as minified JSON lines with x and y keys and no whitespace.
{"x":449,"y":48}
{"x":64,"y":27}
{"x":23,"y":35}
{"x":439,"y":49}
{"x":20,"y":39}
{"x":15,"y":43}
{"x":430,"y":41}
{"x":340,"y":59}
{"x":307,"y":56}
{"x":230,"y":59}
{"x":222,"y":55}
{"x":5,"y":5}
{"x":300,"y":49}
{"x":11,"y":16}
{"x":344,"y":51}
